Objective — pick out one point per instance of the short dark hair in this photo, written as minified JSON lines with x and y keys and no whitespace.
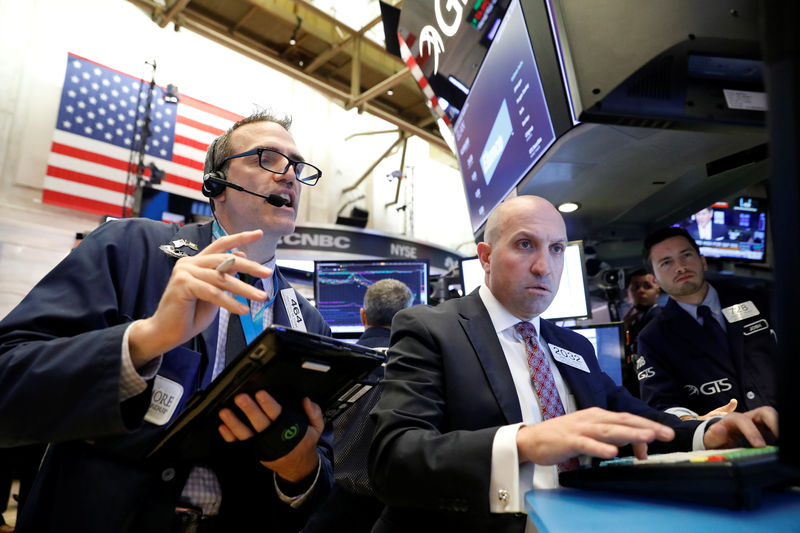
{"x":220,"y":148}
{"x":636,"y":274}
{"x":384,"y":299}
{"x":660,"y":235}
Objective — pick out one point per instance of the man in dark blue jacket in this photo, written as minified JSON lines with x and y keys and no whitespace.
{"x":465,"y":427}
{"x":712,"y":343}
{"x":105,"y":351}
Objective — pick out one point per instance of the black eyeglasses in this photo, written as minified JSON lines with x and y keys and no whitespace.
{"x":274,"y":161}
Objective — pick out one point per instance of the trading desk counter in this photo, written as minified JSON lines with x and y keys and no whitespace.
{"x":573,"y":510}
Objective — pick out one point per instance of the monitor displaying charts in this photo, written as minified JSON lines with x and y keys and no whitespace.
{"x":339,"y":287}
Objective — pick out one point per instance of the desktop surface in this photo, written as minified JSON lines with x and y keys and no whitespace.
{"x":569,"y":510}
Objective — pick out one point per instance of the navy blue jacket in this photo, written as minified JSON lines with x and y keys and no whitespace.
{"x":446,"y":392}
{"x":60,"y":373}
{"x":683,"y":367}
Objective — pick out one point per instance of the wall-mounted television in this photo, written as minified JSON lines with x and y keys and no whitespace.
{"x":504,"y":127}
{"x":339,"y":288}
{"x":608,"y":340}
{"x":732,"y":230}
{"x":572,"y":298}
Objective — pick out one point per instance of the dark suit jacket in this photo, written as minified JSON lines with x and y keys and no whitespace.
{"x":447,"y":390}
{"x":60,"y":373}
{"x":375,"y":337}
{"x":683,"y":367}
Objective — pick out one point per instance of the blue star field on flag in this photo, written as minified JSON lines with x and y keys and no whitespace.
{"x":105,"y":105}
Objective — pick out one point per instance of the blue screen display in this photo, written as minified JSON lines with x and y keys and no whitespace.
{"x":609,"y":346}
{"x":504,"y":126}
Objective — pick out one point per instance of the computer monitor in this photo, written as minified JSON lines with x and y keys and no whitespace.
{"x":572,"y":298}
{"x":505,"y":126}
{"x":339,"y":288}
{"x":608,"y":340}
{"x":735,"y":230}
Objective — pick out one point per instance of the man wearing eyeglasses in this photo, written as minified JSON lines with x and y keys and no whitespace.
{"x":104,"y":352}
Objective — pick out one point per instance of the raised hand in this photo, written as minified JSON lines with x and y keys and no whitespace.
{"x":195,"y":292}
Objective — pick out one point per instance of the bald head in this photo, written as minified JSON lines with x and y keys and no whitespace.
{"x":523,"y":254}
{"x":499,"y":218}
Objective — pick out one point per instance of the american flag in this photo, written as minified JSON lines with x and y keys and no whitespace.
{"x":99,"y":124}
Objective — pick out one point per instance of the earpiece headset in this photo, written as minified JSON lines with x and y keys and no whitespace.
{"x":215,"y":181}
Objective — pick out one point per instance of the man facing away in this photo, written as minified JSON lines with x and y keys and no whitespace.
{"x":711,"y":343}
{"x":465,"y":428}
{"x":352,"y":505}
{"x":140,"y":312}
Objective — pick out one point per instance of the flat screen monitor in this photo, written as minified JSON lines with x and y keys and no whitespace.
{"x":572,"y":298}
{"x":736,"y":230}
{"x":504,"y":127}
{"x":608,"y":340}
{"x":339,"y":288}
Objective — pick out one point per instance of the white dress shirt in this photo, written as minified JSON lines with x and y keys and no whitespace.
{"x":510,"y":479}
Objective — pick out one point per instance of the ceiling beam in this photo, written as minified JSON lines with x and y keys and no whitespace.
{"x":172,"y":12}
{"x":379,"y":88}
{"x":241,"y":21}
{"x":355,"y":69}
{"x":400,"y":138}
{"x":337,"y":47}
{"x":218,"y":32}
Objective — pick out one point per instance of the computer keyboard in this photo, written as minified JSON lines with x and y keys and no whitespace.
{"x":733,"y":478}
{"x":700,"y":456}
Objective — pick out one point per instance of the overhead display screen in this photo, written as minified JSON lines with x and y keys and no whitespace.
{"x":504,"y":126}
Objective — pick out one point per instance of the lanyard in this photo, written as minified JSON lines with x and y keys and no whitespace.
{"x":251,"y":325}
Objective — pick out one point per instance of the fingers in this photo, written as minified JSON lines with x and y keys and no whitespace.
{"x":232,"y":428}
{"x":231,"y":242}
{"x":640,"y":450}
{"x":259,"y":410}
{"x":731,"y":407}
{"x":721,"y":411}
{"x":314,"y":414}
{"x":594,"y":432}
{"x":767,"y":417}
{"x":595,"y":415}
{"x":584,"y":445}
{"x":215,"y":285}
{"x":750,"y":427}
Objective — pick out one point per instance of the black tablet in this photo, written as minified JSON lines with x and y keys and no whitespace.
{"x":290,"y":365}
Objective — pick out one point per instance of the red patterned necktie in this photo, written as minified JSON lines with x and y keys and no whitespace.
{"x":543,"y":382}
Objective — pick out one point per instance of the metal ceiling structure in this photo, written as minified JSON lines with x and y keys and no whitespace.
{"x":329,"y":56}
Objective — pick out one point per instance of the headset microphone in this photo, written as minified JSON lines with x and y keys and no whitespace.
{"x":213,"y":185}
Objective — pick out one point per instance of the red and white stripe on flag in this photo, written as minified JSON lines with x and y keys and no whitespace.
{"x":100,"y":108}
